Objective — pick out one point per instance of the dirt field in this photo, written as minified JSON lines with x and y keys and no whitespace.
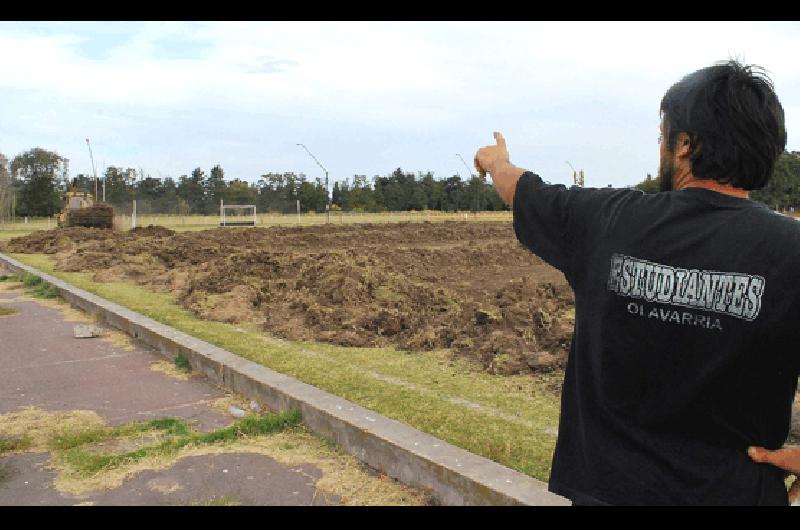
{"x":417,"y":286}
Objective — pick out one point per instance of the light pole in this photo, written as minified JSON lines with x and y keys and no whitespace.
{"x":478,"y":192}
{"x":469,"y":171}
{"x":327,"y":191}
{"x":574,"y":173}
{"x":93,"y":169}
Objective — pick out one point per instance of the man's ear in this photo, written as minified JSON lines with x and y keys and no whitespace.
{"x":684,"y":147}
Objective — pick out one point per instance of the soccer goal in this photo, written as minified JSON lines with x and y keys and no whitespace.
{"x":237,"y":214}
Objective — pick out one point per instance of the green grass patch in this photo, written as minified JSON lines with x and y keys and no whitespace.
{"x":37,"y":287}
{"x":29,"y":280}
{"x":221,"y":501}
{"x":9,"y":445}
{"x":7,"y":311}
{"x":87,"y":463}
{"x":44,"y":290}
{"x":508,"y":419}
{"x":66,"y":440}
{"x":5,"y":234}
{"x":182,"y":363}
{"x":177,"y":433}
{"x":253,"y":426}
{"x":170,"y":426}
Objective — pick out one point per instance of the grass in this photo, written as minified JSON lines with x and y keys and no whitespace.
{"x":10,"y":444}
{"x":107,"y":456}
{"x":177,"y":435}
{"x":44,"y":290}
{"x":508,"y":419}
{"x":182,"y":363}
{"x":221,"y":501}
{"x":6,"y":311}
{"x":29,"y":280}
{"x":37,"y":287}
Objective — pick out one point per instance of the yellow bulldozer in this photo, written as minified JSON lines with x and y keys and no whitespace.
{"x":80,"y":210}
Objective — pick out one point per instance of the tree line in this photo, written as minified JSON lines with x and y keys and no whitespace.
{"x":33,"y":183}
{"x":781,"y":193}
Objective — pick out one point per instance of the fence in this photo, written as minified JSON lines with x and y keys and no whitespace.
{"x":197,"y":222}
{"x":23,"y":226}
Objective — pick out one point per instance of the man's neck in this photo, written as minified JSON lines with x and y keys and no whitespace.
{"x":713,"y":185}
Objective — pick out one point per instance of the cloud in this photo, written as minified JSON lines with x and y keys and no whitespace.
{"x":372,"y":95}
{"x":269,"y":65}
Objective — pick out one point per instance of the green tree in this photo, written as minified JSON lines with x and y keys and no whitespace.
{"x":6,"y":189}
{"x":340,"y":197}
{"x":191,"y":190}
{"x":167,"y":201}
{"x":42,"y":174}
{"x":453,"y":195}
{"x":312,"y":196}
{"x":120,"y":186}
{"x":149,"y":192}
{"x":493,"y":200}
{"x":431,"y":190}
{"x":362,"y":196}
{"x":215,"y":186}
{"x":783,"y":190}
{"x":648,"y":185}
{"x":238,"y":192}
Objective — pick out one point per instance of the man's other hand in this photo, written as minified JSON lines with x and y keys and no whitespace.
{"x":786,"y":458}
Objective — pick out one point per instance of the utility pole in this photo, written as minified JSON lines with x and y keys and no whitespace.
{"x":93,"y":169}
{"x":327,"y":191}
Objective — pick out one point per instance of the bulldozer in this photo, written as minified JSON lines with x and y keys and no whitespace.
{"x":80,"y":210}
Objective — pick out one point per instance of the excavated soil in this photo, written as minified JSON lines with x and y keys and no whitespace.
{"x":469,"y":287}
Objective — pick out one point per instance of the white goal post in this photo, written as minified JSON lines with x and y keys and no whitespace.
{"x":239,"y":215}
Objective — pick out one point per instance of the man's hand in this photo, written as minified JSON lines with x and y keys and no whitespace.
{"x":487,"y":158}
{"x":786,"y":458}
{"x":493,"y":159}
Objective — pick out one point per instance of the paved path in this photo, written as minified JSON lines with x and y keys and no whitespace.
{"x":43,"y":365}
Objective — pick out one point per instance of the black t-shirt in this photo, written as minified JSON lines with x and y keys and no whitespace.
{"x":686,"y":347}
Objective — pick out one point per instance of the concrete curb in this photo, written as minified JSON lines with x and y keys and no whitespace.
{"x":451,"y":474}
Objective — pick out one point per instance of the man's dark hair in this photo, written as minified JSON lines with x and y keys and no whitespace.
{"x":734,"y":121}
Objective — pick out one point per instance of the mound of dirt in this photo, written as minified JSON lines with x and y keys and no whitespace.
{"x":56,"y":239}
{"x":469,"y":287}
{"x":152,"y":231}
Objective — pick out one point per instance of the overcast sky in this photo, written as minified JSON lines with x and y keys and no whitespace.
{"x":365,"y":97}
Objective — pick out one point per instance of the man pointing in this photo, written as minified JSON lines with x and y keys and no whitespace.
{"x":684,"y":360}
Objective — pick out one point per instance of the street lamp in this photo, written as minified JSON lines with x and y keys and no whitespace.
{"x":469,"y":171}
{"x":478,"y":193}
{"x":327,"y":191}
{"x":93,"y":170}
{"x":574,"y":174}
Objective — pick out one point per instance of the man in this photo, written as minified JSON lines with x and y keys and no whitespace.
{"x":685,"y":348}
